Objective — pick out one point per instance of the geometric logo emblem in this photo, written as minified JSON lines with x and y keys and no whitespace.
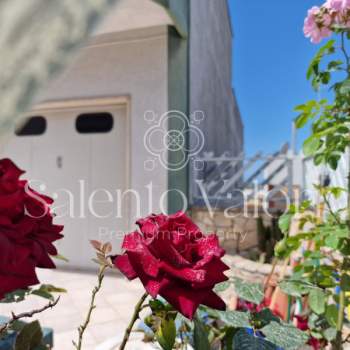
{"x":173,"y":147}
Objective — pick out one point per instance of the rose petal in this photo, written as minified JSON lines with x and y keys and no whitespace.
{"x":182,"y":298}
{"x":186,"y":274}
{"x":214,"y":274}
{"x":122,"y":262}
{"x":214,"y":301}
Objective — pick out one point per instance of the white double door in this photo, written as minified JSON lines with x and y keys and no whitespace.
{"x":83,"y":172}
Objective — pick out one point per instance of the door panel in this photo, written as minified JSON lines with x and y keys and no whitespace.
{"x":82,"y":172}
{"x":109,"y":170}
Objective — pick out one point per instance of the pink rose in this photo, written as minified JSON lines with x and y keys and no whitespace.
{"x":334,"y":5}
{"x":316,"y":25}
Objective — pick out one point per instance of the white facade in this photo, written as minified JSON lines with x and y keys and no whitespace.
{"x":123,"y":71}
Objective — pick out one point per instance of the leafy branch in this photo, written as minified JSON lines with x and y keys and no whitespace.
{"x":5,"y":327}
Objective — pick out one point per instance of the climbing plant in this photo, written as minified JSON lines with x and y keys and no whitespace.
{"x":322,"y":273}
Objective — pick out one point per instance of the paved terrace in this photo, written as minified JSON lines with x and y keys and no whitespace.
{"x":115,"y":304}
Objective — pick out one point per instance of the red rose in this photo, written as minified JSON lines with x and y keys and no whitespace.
{"x":173,"y":259}
{"x":27,"y":231}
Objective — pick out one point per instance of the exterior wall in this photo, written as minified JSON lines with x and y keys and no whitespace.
{"x":211,"y":92}
{"x":133,"y":14}
{"x":211,"y":76}
{"x":131,"y":64}
{"x":178,"y":100}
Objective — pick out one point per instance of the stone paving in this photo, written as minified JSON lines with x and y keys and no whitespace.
{"x":115,"y":304}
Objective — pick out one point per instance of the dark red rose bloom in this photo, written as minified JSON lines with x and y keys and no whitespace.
{"x":173,"y":259}
{"x":27,"y":231}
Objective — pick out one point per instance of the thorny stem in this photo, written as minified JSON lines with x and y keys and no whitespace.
{"x":134,"y":318}
{"x":15,"y":318}
{"x":83,"y":327}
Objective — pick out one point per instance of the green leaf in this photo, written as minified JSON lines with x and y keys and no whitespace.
{"x":282,"y":249}
{"x":325,"y":77}
{"x":200,"y":336}
{"x":333,"y":161}
{"x":337,"y":191}
{"x":301,"y":120}
{"x":345,"y":87}
{"x":252,"y":292}
{"x":330,"y":334}
{"x":284,"y":222}
{"x":317,"y":301}
{"x":285,"y":335}
{"x":156,"y":305}
{"x":30,"y":337}
{"x":296,"y":288}
{"x":221,"y":287}
{"x":311,"y":145}
{"x":60,"y":257}
{"x":345,"y":283}
{"x":332,"y":242}
{"x":166,"y":334}
{"x":46,"y":290}
{"x":332,"y":314}
{"x":245,"y":341}
{"x":236,"y":319}
{"x":334,"y":65}
{"x":319,"y":158}
{"x":15,"y":296}
{"x":313,"y":69}
{"x":263,"y":318}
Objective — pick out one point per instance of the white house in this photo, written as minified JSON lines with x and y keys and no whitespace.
{"x":110,"y":139}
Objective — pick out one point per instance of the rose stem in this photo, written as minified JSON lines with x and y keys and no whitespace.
{"x":82,"y":328}
{"x":134,"y":318}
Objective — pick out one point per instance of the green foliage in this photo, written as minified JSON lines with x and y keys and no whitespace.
{"x":200,"y":336}
{"x":325,"y":264}
{"x":245,"y":341}
{"x":216,"y":329}
{"x":268,"y":330}
{"x":162,"y":323}
{"x":284,"y":222}
{"x":45,"y":291}
{"x":166,"y":333}
{"x":29,"y":337}
{"x":284,"y":335}
{"x":321,"y":269}
{"x":317,"y":301}
{"x":221,"y":287}
{"x":235,"y":319}
{"x":296,"y":288}
{"x":329,"y":137}
{"x":252,"y":292}
{"x":315,"y":73}
{"x":332,"y":315}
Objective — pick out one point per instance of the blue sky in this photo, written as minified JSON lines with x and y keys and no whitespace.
{"x":270,"y":60}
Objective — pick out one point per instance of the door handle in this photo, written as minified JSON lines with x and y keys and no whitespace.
{"x":59,"y":162}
